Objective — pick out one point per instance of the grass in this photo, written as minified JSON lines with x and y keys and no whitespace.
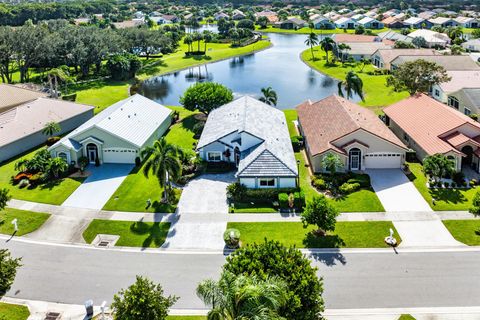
{"x":27,"y":221}
{"x":54,"y":192}
{"x":377,"y":94}
{"x":465,"y":231}
{"x":136,"y":189}
{"x":306,"y":30}
{"x":445,"y":199}
{"x":13,"y":311}
{"x":101,"y":93}
{"x":247,"y":207}
{"x":406,"y":317}
{"x":132,"y":234}
{"x":368,"y":234}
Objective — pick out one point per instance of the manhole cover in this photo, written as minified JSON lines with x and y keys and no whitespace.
{"x":53,"y":316}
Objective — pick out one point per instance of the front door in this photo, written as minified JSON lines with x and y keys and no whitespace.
{"x":355,"y":159}
{"x":92,"y":153}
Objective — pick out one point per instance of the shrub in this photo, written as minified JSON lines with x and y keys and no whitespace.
{"x":232,"y":238}
{"x":362,"y":179}
{"x":236,"y":191}
{"x":299,"y":199}
{"x":473,"y":182}
{"x":283,"y":200}
{"x":454,"y":185}
{"x":266,"y":195}
{"x":446,"y":184}
{"x":297,"y":143}
{"x":52,"y":140}
{"x":21,"y":176}
{"x":458,"y":177}
{"x":475,"y":208}
{"x":347,"y":188}
{"x":70,"y":97}
{"x":36,"y":178}
{"x":319,"y":183}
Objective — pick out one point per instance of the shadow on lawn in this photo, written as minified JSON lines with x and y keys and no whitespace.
{"x":157,"y":232}
{"x":328,"y":241}
{"x":448,"y":195}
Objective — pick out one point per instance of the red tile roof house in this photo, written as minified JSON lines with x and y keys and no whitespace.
{"x":336,"y":125}
{"x":430,"y":127}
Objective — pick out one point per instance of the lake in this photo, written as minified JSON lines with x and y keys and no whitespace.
{"x":279,"y":67}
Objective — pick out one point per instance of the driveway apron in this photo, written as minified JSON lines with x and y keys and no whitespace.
{"x":97,"y":189}
{"x":206,"y":194}
{"x":399,"y":195}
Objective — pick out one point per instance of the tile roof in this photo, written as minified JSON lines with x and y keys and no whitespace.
{"x":249,"y":115}
{"x":388,"y":55}
{"x":366,"y":48}
{"x":31,"y":117}
{"x":11,"y":96}
{"x":427,"y":121}
{"x":450,"y":63}
{"x":456,"y":139}
{"x":461,"y":79}
{"x":331,"y":118}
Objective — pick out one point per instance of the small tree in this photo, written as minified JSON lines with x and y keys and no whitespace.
{"x":56,"y":167}
{"x":51,"y":128}
{"x":8,"y":270}
{"x":142,"y":300}
{"x":206,"y":96}
{"x":419,"y":42}
{"x":4,"y":198}
{"x":475,"y":208}
{"x":438,"y":166}
{"x":352,"y":84}
{"x":82,"y":163}
{"x":332,"y":162}
{"x":321,"y":213}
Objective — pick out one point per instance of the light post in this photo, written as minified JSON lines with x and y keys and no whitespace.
{"x":15,"y":225}
{"x":298,"y":173}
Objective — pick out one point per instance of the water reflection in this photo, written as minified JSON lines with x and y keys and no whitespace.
{"x":279,"y":67}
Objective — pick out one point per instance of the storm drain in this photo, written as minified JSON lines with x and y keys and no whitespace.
{"x":103,"y":243}
{"x":105,"y":240}
{"x":53,"y":316}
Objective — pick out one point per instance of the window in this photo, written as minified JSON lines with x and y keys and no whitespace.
{"x":268,"y":182}
{"x":63,"y":155}
{"x":214,"y":156}
{"x":467,"y":111}
{"x":453,"y":102}
{"x":437,"y":93}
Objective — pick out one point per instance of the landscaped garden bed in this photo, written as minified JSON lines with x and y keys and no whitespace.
{"x":27,"y":221}
{"x":370,"y":234}
{"x":465,"y":231}
{"x":132,"y":234}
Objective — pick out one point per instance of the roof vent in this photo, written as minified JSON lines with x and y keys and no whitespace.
{"x":128,"y":116}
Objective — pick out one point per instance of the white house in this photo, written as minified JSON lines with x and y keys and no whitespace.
{"x":370,"y":23}
{"x":117,"y":134}
{"x":254,"y":136}
{"x":432,"y":38}
{"x":346,"y":23}
{"x":467,"y":22}
{"x":472,"y":45}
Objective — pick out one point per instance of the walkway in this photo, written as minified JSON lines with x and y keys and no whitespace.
{"x":99,"y":186}
{"x":422,"y":228}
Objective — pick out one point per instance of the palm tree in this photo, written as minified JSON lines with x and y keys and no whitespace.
{"x":455,"y":32}
{"x":342,"y":47}
{"x":207,"y":37}
{"x":327,"y":44}
{"x":54,"y":76}
{"x":163,"y":162}
{"x":353,"y":84}
{"x":312,"y":40}
{"x":56,"y":166}
{"x":197,"y":36}
{"x":269,"y":96}
{"x":4,"y":198}
{"x":51,"y":128}
{"x":243,"y":297}
{"x":188,"y":41}
{"x":456,"y":50}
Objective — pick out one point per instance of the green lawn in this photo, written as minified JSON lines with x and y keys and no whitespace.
{"x":445,"y":199}
{"x":248,"y":207}
{"x":306,"y":30}
{"x":27,"y":221}
{"x":370,"y":234}
{"x":101,"y":93}
{"x":406,"y":317}
{"x":136,"y":189}
{"x":466,"y":231}
{"x":132,"y":234}
{"x":54,"y":192}
{"x":377,"y":94}
{"x":13,"y":311}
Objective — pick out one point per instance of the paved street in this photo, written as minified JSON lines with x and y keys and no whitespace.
{"x":352,"y":280}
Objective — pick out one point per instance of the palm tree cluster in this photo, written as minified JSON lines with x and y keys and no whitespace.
{"x":42,"y":163}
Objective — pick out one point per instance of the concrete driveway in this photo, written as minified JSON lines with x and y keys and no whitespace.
{"x":206,"y":194}
{"x":396,"y":192}
{"x":95,"y":191}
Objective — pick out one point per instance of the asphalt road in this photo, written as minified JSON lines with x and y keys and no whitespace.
{"x":353,"y":280}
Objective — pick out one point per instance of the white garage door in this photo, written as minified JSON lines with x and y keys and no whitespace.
{"x":383,"y":160}
{"x":119,"y":155}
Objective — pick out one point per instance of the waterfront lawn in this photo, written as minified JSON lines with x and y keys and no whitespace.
{"x":13,"y":311}
{"x":377,"y":94}
{"x":100,"y":93}
{"x":182,"y":133}
{"x":465,"y":231}
{"x":132,"y":234}
{"x":27,"y":221}
{"x":54,"y":192}
{"x":364,"y":234}
{"x":445,"y":199}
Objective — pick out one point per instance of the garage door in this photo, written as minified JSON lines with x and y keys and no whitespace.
{"x":383,"y":160}
{"x":119,"y":155}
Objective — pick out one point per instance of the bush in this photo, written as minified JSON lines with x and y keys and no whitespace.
{"x":236,"y":191}
{"x":283,"y":200}
{"x":362,"y":179}
{"x":458,"y":177}
{"x":70,"y":97}
{"x":297,"y":143}
{"x":446,"y":184}
{"x":319,"y":183}
{"x":36,"y":178}
{"x":348,"y":188}
{"x":266,"y":195}
{"x":473,"y":182}
{"x":52,"y":140}
{"x":299,"y":199}
{"x":21,"y":176}
{"x":232,"y":238}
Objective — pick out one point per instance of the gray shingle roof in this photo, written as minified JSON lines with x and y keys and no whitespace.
{"x":274,"y":155}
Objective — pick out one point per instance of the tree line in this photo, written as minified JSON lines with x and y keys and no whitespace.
{"x":57,"y":43}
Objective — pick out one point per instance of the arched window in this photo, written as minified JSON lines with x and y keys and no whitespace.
{"x":63,"y":155}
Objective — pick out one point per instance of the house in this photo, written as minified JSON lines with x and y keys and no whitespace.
{"x":238,"y":15}
{"x":465,"y":100}
{"x":383,"y":57}
{"x":361,"y":50}
{"x":271,"y":15}
{"x":426,"y":14}
{"x":443,"y":22}
{"x":221,"y":15}
{"x":346,"y":23}
{"x":393,"y":22}
{"x":117,"y":134}
{"x":129,"y":24}
{"x":357,"y":17}
{"x":371,"y":23}
{"x":417,"y":23}
{"x":432,"y":38}
{"x":394,"y":36}
{"x":347,"y":37}
{"x":430,"y":127}
{"x":291,"y":23}
{"x":467,"y":22}
{"x":460,"y":79}
{"x":12,"y":96}
{"x":323,"y":23}
{"x":21,"y":126}
{"x":450,"y":63}
{"x":354,"y":133}
{"x":472,"y":45}
{"x":254,"y":137}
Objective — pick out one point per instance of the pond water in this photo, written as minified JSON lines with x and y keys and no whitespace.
{"x":279,"y":67}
